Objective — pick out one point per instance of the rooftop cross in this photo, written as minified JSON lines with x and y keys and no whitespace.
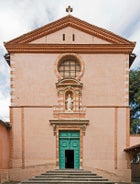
{"x":69,"y":9}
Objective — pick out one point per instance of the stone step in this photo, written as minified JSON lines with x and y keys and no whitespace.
{"x":67,"y":182}
{"x":69,"y":170}
{"x":68,"y":176}
{"x":75,"y":171}
{"x":68,"y":179}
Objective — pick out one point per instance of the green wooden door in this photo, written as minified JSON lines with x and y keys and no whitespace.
{"x":69,"y":142}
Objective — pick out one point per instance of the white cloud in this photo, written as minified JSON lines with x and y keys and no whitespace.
{"x":4,"y":107}
{"x":4,"y":88}
{"x":18,"y":17}
{"x":136,"y":36}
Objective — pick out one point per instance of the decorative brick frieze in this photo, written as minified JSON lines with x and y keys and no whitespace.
{"x":12,"y":96}
{"x":13,"y":69}
{"x":12,"y":89}
{"x":126,"y":81}
{"x":12,"y":62}
{"x":12,"y":79}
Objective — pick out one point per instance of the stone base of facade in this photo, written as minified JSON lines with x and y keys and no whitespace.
{"x":3,"y":175}
{"x":20,"y":174}
{"x":123,"y":175}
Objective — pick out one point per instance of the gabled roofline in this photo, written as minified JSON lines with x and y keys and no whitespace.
{"x":73,"y":22}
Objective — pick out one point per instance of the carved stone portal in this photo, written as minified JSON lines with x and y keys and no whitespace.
{"x":67,"y":124}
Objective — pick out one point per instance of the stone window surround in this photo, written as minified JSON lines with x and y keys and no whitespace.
{"x":69,"y":67}
{"x":77,"y":57}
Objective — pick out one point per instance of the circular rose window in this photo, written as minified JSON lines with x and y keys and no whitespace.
{"x":69,"y":67}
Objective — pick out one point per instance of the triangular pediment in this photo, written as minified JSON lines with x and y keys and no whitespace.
{"x":69,"y":35}
{"x":99,"y":35}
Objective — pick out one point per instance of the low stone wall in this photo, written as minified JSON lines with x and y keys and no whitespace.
{"x":20,"y":174}
{"x":4,"y":150}
{"x":4,"y":176}
{"x":135,"y":172}
{"x":116,"y":176}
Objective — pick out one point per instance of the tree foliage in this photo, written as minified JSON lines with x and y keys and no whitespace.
{"x":134,"y":97}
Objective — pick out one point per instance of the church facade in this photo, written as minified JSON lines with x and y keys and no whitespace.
{"x":69,"y":100}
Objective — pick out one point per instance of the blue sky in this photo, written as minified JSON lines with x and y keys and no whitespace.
{"x":21,"y":16}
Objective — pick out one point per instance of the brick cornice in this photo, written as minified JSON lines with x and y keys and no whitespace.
{"x":70,"y":48}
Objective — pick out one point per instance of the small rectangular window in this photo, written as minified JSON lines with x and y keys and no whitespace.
{"x":63,"y":37}
{"x":73,"y":37}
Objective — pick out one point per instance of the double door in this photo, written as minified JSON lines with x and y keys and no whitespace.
{"x":69,"y":149}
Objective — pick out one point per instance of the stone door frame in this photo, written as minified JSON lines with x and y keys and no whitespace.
{"x":69,"y":125}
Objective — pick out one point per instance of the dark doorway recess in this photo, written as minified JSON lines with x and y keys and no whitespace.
{"x":69,"y":159}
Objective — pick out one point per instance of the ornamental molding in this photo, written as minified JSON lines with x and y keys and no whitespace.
{"x":70,"y":48}
{"x":69,"y":83}
{"x":74,"y":123}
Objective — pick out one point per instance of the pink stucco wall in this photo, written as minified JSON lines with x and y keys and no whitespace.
{"x":134,"y":139}
{"x":104,"y":80}
{"x":104,"y":89}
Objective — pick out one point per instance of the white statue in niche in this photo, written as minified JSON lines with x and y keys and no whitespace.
{"x":69,"y":102}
